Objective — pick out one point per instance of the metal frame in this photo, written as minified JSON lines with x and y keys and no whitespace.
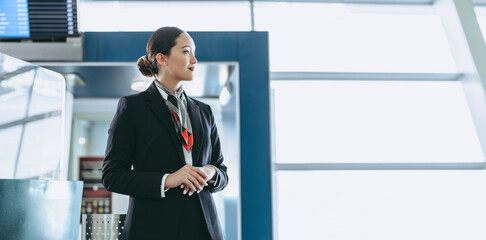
{"x":314,"y":1}
{"x":377,"y":166}
{"x":407,"y":2}
{"x":284,"y":76}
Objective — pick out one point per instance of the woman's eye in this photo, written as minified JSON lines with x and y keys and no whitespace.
{"x":186,"y":51}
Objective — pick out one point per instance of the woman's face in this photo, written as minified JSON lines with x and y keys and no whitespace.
{"x":180,"y":64}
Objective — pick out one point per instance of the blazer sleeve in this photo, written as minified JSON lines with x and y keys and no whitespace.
{"x":217,"y":159}
{"x":117,"y":173}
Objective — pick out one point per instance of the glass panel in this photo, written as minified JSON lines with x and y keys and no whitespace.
{"x":381,"y":205}
{"x":354,"y":38}
{"x":9,"y":143}
{"x":150,"y":15}
{"x":9,"y":64}
{"x":47,"y":92}
{"x":373,"y":121}
{"x":36,"y":161}
{"x":31,"y":120}
{"x":15,"y":96}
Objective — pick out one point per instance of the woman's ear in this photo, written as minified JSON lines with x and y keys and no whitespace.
{"x":161,"y":59}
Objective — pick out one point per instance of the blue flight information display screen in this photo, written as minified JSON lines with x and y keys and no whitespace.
{"x":14,"y":18}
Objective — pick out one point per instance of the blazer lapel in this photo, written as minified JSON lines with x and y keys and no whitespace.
{"x":157,"y":104}
{"x":197,"y":130}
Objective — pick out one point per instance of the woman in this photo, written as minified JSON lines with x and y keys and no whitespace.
{"x":164,"y":150}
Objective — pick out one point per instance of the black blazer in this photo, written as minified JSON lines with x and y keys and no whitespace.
{"x":142,"y":147}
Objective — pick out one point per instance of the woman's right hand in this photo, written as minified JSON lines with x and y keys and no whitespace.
{"x":189,"y":177}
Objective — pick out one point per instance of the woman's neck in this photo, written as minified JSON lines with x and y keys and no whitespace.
{"x":170,"y":84}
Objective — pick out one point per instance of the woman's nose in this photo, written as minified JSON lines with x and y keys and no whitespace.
{"x":193,"y":59}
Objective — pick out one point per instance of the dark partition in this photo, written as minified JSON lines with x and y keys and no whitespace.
{"x":40,"y":209}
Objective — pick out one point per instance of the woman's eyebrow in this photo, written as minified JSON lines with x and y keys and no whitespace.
{"x":189,"y":47}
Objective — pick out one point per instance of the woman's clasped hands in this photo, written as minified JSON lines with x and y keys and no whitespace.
{"x":192,"y":179}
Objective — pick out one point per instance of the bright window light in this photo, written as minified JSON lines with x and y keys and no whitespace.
{"x":373,"y":122}
{"x":381,"y":205}
{"x":151,"y":15}
{"x":354,"y":38}
{"x":481,"y":15}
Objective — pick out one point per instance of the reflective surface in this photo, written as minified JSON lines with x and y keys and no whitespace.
{"x":40,"y":209}
{"x":31,"y":120}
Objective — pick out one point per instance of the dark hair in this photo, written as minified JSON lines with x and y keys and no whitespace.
{"x":161,"y":41}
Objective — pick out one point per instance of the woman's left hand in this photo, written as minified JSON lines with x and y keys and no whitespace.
{"x":209,"y":170}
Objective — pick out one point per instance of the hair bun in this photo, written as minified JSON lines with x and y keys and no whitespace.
{"x":145,"y":66}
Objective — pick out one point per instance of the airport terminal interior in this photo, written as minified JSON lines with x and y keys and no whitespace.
{"x":338,"y":119}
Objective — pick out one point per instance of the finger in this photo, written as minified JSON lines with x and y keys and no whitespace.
{"x":200,"y":181}
{"x":195,"y":182}
{"x":186,"y":190}
{"x":189,"y":190}
{"x":188,"y":186}
{"x":201,"y":172}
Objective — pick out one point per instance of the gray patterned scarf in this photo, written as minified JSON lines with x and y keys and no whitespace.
{"x":175,"y":102}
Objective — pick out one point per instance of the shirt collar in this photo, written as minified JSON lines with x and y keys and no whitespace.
{"x":165,"y":91}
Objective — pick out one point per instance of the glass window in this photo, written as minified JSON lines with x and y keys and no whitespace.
{"x":354,"y":38}
{"x":373,"y":122}
{"x":481,"y":15}
{"x":381,"y":205}
{"x":151,"y":15}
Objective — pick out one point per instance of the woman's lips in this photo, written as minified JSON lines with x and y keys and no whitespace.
{"x":191,"y":68}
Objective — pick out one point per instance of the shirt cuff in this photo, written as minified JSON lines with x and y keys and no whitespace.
{"x":163,"y":189}
{"x":215,"y":181}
